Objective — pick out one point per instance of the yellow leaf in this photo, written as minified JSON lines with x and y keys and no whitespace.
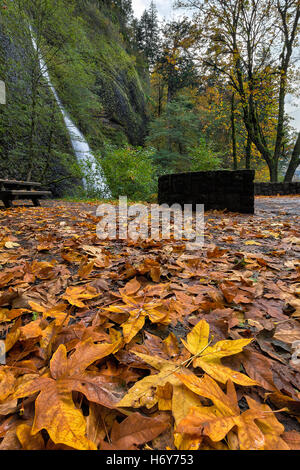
{"x":208,"y":388}
{"x":164,"y":397}
{"x":75,"y":294}
{"x":7,"y":383}
{"x":270,"y":426}
{"x":218,"y":420}
{"x":10,"y":245}
{"x":132,"y":326}
{"x":27,"y":440}
{"x":56,"y":412}
{"x":31,"y":330}
{"x":85,"y":270}
{"x":224,"y":348}
{"x":182,"y":401}
{"x":143,"y":392}
{"x":87,"y":353}
{"x":171,"y":345}
{"x":131,"y":288}
{"x":211,"y":422}
{"x":208,"y":357}
{"x":198,"y":338}
{"x":186,"y":442}
{"x":222,"y":374}
{"x":12,"y":338}
{"x":138,"y":310}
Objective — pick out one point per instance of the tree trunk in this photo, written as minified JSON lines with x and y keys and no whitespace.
{"x":273,"y":169}
{"x":50,"y":140}
{"x":160,"y":99}
{"x":32,"y":135}
{"x":248,"y":153}
{"x":170,"y":94}
{"x":294,"y":163}
{"x":35,"y":77}
{"x":233,"y":133}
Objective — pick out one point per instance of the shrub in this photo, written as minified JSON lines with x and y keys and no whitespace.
{"x":129,"y":171}
{"x":203,"y":158}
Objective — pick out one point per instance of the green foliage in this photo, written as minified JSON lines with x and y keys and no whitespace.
{"x":173,"y":134}
{"x":94,"y":75}
{"x":178,"y":141}
{"x":32,"y":132}
{"x":176,"y":62}
{"x":98,"y":83}
{"x":147,"y":34}
{"x":129,"y":171}
{"x":203,"y":158}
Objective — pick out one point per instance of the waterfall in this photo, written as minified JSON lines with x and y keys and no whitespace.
{"x":80,"y":146}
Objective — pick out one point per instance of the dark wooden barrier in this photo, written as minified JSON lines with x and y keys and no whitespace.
{"x":273,"y":189}
{"x":224,"y":189}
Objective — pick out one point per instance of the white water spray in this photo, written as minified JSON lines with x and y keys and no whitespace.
{"x":94,"y":178}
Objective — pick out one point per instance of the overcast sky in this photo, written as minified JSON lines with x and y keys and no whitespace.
{"x":165,"y":10}
{"x":164,"y":7}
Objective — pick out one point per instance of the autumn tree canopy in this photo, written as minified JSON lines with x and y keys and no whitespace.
{"x":251,"y":43}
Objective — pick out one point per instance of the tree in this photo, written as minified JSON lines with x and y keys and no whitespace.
{"x":147,"y":34}
{"x":253,"y":42}
{"x":158,"y":86}
{"x":233,"y":132}
{"x":294,"y":162}
{"x":178,"y":141}
{"x":176,"y":62}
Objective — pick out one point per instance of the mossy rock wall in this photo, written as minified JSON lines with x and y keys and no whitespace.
{"x":113,"y":84}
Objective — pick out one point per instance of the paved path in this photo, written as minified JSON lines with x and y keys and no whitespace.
{"x":283,"y":206}
{"x":264,"y":206}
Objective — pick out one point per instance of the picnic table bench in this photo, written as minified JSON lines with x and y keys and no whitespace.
{"x":12,"y":189}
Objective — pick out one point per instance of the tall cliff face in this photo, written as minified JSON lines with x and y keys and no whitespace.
{"x":100,"y":80}
{"x":54,"y":159}
{"x":114,"y":79}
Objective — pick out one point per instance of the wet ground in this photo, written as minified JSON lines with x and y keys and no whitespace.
{"x":283,"y":206}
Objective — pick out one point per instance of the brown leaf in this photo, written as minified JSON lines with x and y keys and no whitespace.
{"x":136,"y":430}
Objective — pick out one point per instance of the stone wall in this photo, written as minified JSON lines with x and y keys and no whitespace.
{"x":273,"y":189}
{"x":224,"y":189}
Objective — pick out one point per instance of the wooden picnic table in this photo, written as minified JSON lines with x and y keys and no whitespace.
{"x":13,"y":189}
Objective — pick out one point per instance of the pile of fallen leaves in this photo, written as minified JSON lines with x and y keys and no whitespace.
{"x":143,"y":345}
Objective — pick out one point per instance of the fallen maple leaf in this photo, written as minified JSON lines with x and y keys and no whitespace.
{"x":54,"y":409}
{"x":218,"y":420}
{"x":27,"y":440}
{"x":10,"y":245}
{"x":135,"y":430}
{"x":208,"y":357}
{"x":72,"y":367}
{"x":143,"y":393}
{"x":75,"y":294}
{"x":139,"y":309}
